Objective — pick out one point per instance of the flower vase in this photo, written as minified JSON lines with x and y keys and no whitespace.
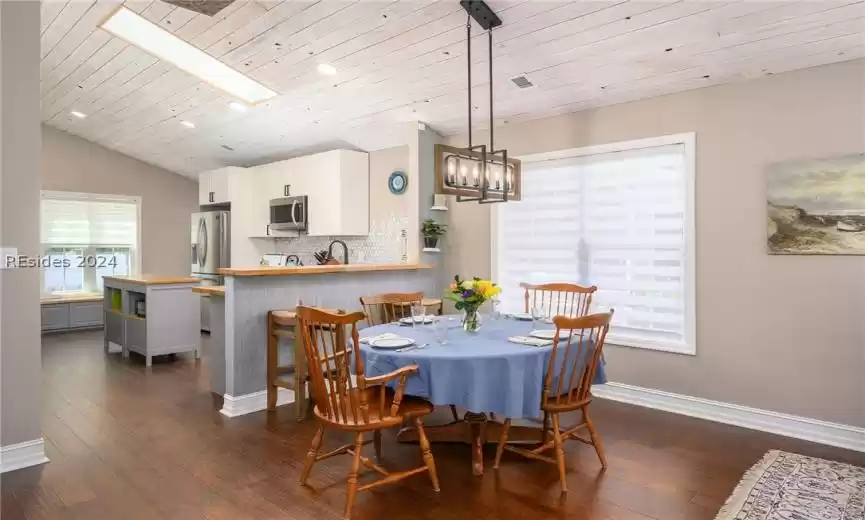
{"x":471,"y":319}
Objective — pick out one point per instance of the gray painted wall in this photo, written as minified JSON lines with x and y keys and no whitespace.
{"x":782,"y":333}
{"x":70,"y":163}
{"x":20,"y":343}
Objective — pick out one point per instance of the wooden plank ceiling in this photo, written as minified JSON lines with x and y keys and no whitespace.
{"x":404,"y":60}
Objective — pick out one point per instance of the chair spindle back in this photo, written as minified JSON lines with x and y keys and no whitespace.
{"x":387,"y":308}
{"x":329,"y":364}
{"x":559,"y":299}
{"x":574,"y":360}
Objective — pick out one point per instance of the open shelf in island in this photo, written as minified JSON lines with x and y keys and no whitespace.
{"x":151,"y":316}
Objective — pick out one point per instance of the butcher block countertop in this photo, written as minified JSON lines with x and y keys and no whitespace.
{"x":71,"y":298}
{"x":150,"y":279}
{"x":209,"y":290}
{"x":320,"y":269}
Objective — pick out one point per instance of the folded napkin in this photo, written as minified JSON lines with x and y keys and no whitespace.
{"x":531,"y":342}
{"x":386,"y":335}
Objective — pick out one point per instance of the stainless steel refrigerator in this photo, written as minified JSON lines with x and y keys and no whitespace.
{"x":210,"y":251}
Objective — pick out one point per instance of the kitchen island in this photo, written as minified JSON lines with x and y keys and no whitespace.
{"x":250,"y":293}
{"x":151,"y":315}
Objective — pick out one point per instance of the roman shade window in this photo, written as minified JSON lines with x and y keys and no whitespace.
{"x":85,"y":237}
{"x":619,"y":217}
{"x":84,"y":221}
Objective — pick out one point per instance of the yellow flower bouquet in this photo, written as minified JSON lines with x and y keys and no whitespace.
{"x":468,"y":296}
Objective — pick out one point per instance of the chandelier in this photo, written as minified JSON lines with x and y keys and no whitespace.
{"x":478,"y":173}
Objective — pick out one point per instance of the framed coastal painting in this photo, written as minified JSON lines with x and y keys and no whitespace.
{"x":816,"y":206}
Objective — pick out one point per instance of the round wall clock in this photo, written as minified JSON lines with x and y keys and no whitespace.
{"x":397,"y":182}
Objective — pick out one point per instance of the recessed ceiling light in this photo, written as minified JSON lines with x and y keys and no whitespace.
{"x":326,"y":69}
{"x":237,"y":107}
{"x":79,"y":115}
{"x":187,"y":124}
{"x":164,"y":45}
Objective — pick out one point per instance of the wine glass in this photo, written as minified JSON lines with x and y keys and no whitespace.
{"x":539,"y":314}
{"x":418,"y":313}
{"x":495,"y":309}
{"x":440,"y":329}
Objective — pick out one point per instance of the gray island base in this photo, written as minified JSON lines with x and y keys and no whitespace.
{"x":151,"y":315}
{"x":251,"y":293}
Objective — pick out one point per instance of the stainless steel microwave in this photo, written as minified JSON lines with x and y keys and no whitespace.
{"x":289,"y":213}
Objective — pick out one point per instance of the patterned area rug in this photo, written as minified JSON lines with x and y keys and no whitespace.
{"x":786,"y":486}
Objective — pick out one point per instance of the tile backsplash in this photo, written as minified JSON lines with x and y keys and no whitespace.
{"x":383,"y":245}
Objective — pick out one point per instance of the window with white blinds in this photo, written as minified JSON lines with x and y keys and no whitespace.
{"x":620,"y":217}
{"x":87,"y":236}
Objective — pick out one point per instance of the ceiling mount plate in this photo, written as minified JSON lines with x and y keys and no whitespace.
{"x":481,"y":13}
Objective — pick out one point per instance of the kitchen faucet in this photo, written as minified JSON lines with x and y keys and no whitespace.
{"x":344,"y":249}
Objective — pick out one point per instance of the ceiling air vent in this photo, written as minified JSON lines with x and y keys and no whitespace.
{"x":208,"y":7}
{"x":230,"y":149}
{"x":522,"y":82}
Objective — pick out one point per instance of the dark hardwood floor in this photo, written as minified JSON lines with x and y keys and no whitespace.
{"x":127,"y":443}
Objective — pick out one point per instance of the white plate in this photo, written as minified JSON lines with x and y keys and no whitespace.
{"x":522,"y":316}
{"x":391,"y":343}
{"x":425,"y":319}
{"x":548,"y":334}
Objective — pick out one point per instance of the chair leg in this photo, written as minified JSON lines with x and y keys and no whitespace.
{"x":546,"y":428}
{"x":352,"y":475}
{"x":376,"y":441}
{"x":311,"y":455}
{"x":502,"y":441}
{"x":596,"y":439}
{"x":454,"y":413}
{"x":560,"y":453}
{"x":427,"y":453}
{"x":272,"y":361}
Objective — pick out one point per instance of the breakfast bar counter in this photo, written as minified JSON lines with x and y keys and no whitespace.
{"x":322,"y":269}
{"x":251,"y":292}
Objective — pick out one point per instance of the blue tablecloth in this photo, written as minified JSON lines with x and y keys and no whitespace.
{"x":481,"y":372}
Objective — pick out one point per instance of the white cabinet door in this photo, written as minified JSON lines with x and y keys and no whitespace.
{"x":220,"y":185}
{"x":204,"y":189}
{"x":249,"y":206}
{"x":85,"y":314}
{"x":55,"y":316}
{"x":281,"y":180}
{"x":321,"y":180}
{"x":214,"y":187}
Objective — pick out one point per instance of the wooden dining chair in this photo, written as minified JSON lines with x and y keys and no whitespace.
{"x":559,"y":299}
{"x":346,"y":400}
{"x":387,"y":308}
{"x":567,"y":388}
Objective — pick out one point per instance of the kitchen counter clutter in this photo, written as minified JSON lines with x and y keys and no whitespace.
{"x":151,"y":315}
{"x":321,"y":269}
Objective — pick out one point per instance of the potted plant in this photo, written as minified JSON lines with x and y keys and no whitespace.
{"x":432,"y":230}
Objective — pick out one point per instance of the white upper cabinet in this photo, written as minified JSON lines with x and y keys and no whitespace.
{"x":337,"y":185}
{"x":214,"y":187}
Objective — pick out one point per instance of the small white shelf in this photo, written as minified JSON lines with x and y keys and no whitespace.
{"x":431,"y":250}
{"x":439,"y":208}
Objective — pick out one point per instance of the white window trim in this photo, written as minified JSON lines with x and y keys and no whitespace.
{"x":689,"y":140}
{"x":135,"y":268}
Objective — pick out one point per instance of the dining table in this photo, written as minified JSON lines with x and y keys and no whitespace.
{"x":482,"y":372}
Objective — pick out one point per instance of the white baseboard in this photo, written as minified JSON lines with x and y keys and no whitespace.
{"x":234,"y":406}
{"x":823,"y":432}
{"x":22,"y":455}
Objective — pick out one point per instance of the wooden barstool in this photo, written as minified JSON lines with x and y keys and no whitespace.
{"x":293,"y":376}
